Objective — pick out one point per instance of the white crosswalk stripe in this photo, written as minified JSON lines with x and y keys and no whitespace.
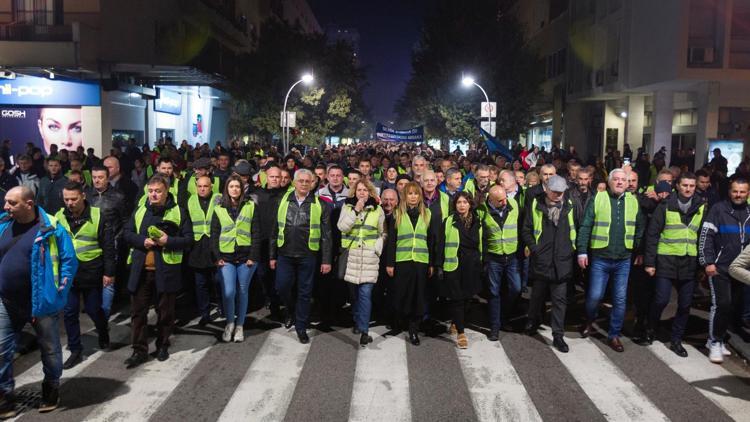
{"x":381,"y":381}
{"x":712,"y":380}
{"x":611,"y":391}
{"x":382,"y":389}
{"x":267,"y":388}
{"x":497,"y":392}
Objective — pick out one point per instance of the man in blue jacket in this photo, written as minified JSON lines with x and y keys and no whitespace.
{"x":37,"y":265}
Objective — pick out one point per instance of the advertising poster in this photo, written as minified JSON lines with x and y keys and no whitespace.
{"x":42,"y":126}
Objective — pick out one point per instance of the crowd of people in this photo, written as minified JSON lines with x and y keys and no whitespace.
{"x":399,"y":233}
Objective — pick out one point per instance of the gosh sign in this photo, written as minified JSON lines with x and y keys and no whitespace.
{"x":13,"y":114}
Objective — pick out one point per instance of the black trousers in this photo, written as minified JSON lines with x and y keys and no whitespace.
{"x":165,"y":311}
{"x":558,"y":292}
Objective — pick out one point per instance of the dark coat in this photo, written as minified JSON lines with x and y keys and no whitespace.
{"x":673,"y":267}
{"x":241,"y":253}
{"x":553,"y":257}
{"x":168,"y":276}
{"x":112,"y":204}
{"x":50,"y":196}
{"x":725,"y":231}
{"x":90,"y":273}
{"x":297,"y":230}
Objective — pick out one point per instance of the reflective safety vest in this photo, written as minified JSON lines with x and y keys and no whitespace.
{"x":445,"y":201}
{"x":363,"y":232}
{"x":235,"y":233}
{"x":86,"y":240}
{"x":537,"y":217}
{"x":603,"y":220}
{"x":149,"y":171}
{"x":316,"y":211}
{"x":174,"y":189}
{"x":411,"y":242}
{"x":502,"y":241}
{"x":677,"y":239}
{"x":172,"y":215}
{"x":201,"y":220}
{"x":452,"y":240}
{"x":377,"y":174}
{"x":471,"y":187}
{"x":193,"y":189}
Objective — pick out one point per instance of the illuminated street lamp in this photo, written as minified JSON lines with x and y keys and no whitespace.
{"x":468,"y":81}
{"x":307,"y":80}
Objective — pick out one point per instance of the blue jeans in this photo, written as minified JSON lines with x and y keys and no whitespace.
{"x":203,"y":280}
{"x":48,"y":337}
{"x":92,"y":303}
{"x":235,"y":286}
{"x":108,"y":296}
{"x":362,"y":300}
{"x":302,"y":271}
{"x":497,"y":271}
{"x":600,"y":273}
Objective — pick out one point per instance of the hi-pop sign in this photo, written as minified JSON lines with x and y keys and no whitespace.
{"x":29,"y":90}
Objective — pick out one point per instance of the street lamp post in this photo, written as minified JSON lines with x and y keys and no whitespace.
{"x":468,"y":81}
{"x":306,"y":79}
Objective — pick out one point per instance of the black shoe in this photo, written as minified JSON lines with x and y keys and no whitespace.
{"x":364,"y":340}
{"x":162,"y":354}
{"x":649,"y":337}
{"x":559,"y":344}
{"x":289,"y":322}
{"x":678,"y":350}
{"x":494,"y":335}
{"x":414,"y":338}
{"x":8,"y":406}
{"x":74,"y":359}
{"x":104,"y":340}
{"x":303,"y":337}
{"x":205,"y":320}
{"x":136,"y":359}
{"x":531,"y":328}
{"x":50,"y":398}
{"x":355,"y":330}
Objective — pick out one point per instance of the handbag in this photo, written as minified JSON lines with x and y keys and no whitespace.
{"x":341,"y":263}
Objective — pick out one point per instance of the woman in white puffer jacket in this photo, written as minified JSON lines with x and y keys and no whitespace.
{"x":362,"y":225}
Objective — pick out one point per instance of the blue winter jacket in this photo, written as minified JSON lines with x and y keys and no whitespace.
{"x":48,"y":293}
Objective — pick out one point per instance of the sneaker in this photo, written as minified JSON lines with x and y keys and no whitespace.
{"x":239,"y":334}
{"x":50,"y":398}
{"x":136,"y":359}
{"x":74,"y":359}
{"x":715,"y":354}
{"x":462,"y":341}
{"x":104,"y":339}
{"x":724,"y":350}
{"x":228,"y":330}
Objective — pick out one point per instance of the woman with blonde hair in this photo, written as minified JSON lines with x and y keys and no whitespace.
{"x":408,"y":257}
{"x":362,"y":225}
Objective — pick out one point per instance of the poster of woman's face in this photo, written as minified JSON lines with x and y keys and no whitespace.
{"x":42,"y":126}
{"x":60,"y":126}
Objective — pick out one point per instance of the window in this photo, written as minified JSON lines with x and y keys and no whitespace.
{"x":38,"y":12}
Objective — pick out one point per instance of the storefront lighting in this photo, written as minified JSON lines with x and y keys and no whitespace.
{"x":134,"y":95}
{"x":546,"y":121}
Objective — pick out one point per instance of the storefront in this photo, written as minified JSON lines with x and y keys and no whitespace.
{"x":50,"y":111}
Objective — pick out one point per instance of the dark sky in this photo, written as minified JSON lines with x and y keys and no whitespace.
{"x":388,"y":30}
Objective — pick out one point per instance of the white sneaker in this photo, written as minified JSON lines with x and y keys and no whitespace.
{"x":724,"y":350}
{"x":714,"y":352}
{"x":227,"y":336}
{"x":239,"y":334}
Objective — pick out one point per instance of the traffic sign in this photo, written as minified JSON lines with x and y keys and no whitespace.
{"x":291,"y":118}
{"x":489,"y":109}
{"x":489,"y":127}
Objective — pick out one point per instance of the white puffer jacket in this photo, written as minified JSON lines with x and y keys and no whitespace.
{"x":363,"y":263}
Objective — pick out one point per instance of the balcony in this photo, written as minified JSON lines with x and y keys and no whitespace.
{"x":31,"y":32}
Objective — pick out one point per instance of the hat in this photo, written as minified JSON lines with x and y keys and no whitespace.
{"x":243,"y":169}
{"x":202,"y":163}
{"x":557,"y":184}
{"x":663,"y":187}
{"x":403,"y":177}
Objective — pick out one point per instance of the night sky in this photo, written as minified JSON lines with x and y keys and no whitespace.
{"x":388,"y":30}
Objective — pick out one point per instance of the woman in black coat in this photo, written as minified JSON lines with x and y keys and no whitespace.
{"x":461,"y":262}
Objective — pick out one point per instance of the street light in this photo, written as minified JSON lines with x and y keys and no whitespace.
{"x":307,"y":78}
{"x":468,"y":81}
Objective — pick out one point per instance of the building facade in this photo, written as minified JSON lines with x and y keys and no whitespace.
{"x":672,"y":74}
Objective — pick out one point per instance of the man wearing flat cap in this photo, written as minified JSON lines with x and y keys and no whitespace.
{"x":549,"y":231}
{"x":188,"y":186}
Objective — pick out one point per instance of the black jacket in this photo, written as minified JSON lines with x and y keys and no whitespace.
{"x":297,"y":230}
{"x":241,"y":253}
{"x":50,"y":196}
{"x":553,"y":257}
{"x":725,"y":232}
{"x":499,"y":216}
{"x":130,"y":192}
{"x":433,"y":232}
{"x":90,"y":273}
{"x":112,"y":204}
{"x":200,"y":256}
{"x":168,"y":276}
{"x":673,"y":267}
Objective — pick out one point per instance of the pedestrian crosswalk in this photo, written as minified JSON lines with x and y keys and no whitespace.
{"x":495,"y":377}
